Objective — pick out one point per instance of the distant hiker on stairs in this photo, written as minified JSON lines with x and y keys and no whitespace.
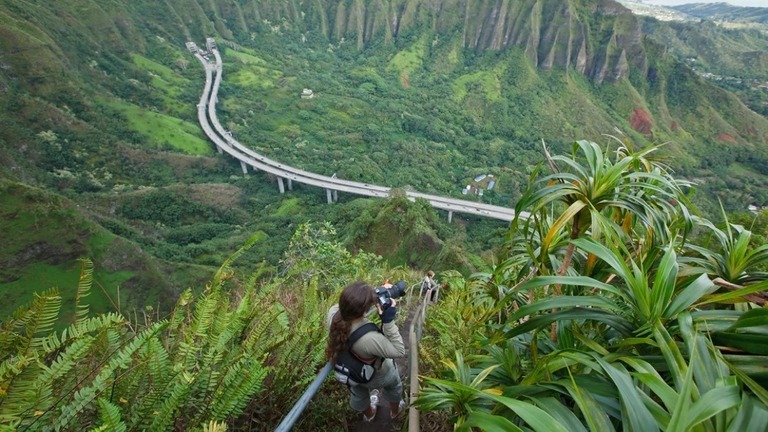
{"x":429,"y":286}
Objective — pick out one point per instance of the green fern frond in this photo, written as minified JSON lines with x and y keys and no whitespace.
{"x":158,"y":361}
{"x":223,"y":321}
{"x":209,"y":372}
{"x":13,"y":366}
{"x":83,"y":289}
{"x":163,"y":418}
{"x":17,"y":379}
{"x":269,"y":330}
{"x":47,"y":379}
{"x":227,"y":338}
{"x":299,"y":356}
{"x":179,"y":316}
{"x":145,"y":389}
{"x":110,"y":416}
{"x":203,"y":316}
{"x":79,"y":329}
{"x":118,"y":360}
{"x":240,"y":383}
{"x":9,"y":425}
{"x":41,"y":317}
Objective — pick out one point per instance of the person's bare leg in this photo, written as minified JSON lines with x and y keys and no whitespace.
{"x":369,"y":412}
{"x":394,"y":409}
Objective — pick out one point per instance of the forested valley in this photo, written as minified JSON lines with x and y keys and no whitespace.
{"x":150,"y":285}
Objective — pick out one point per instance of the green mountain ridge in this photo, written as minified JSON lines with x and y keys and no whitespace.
{"x":725,"y":12}
{"x":97,"y":101}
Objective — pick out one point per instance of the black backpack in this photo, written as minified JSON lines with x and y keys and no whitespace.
{"x":350,"y":369}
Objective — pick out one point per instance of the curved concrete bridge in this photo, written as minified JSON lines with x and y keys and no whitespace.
{"x":206,"y":114}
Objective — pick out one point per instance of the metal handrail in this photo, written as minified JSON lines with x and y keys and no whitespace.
{"x":303,"y":401}
{"x":414,"y":336}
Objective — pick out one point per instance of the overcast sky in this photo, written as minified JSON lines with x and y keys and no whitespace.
{"x":754,"y":3}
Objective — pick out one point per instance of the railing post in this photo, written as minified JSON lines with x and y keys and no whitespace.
{"x":413,"y":413}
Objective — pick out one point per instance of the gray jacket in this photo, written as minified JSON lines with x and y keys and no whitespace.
{"x":384,"y":346}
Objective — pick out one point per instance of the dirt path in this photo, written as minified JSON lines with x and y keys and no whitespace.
{"x":383,"y":422}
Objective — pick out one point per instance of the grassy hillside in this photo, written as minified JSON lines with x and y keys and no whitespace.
{"x":49,"y":233}
{"x":97,"y":102}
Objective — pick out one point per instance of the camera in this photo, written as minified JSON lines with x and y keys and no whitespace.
{"x":387,"y":294}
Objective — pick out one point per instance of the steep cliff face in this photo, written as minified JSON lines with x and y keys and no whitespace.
{"x":599,"y":38}
{"x":50,"y":49}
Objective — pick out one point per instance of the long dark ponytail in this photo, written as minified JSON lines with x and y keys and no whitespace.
{"x":356,"y":299}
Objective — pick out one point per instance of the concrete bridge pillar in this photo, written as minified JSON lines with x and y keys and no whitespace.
{"x":290,"y":184}
{"x":329,"y":194}
{"x":244,"y":167}
{"x":220,"y":150}
{"x":450,"y":216}
{"x":280,"y":185}
{"x":335,"y":196}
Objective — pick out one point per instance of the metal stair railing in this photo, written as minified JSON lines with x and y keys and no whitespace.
{"x":303,"y":401}
{"x":414,"y":336}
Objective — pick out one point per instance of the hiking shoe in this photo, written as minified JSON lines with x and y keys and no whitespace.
{"x":400,"y":410}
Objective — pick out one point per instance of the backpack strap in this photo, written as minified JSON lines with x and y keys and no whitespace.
{"x":357,"y":334}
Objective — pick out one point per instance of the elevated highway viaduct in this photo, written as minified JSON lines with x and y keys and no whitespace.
{"x":225,"y":143}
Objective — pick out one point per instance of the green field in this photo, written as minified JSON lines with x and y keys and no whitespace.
{"x":163,"y":130}
{"x":39,"y":277}
{"x":169,"y":84}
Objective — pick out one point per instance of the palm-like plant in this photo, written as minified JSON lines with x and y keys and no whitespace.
{"x":635,"y":344}
{"x":599,"y":194}
{"x":737,"y":260}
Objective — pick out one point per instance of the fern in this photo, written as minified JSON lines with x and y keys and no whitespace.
{"x":41,"y":317}
{"x":118,"y":360}
{"x":110,"y":417}
{"x":205,"y":311}
{"x":177,"y":321}
{"x":49,"y":376}
{"x":144,"y":390}
{"x":268,"y":331}
{"x":79,"y":329}
{"x":163,"y":418}
{"x":83,"y":289}
{"x":242,"y":380}
{"x":18,"y":381}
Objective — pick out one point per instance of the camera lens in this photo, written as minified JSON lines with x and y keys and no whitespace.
{"x":398,"y":289}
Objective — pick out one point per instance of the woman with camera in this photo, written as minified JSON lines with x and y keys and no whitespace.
{"x":377,"y":347}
